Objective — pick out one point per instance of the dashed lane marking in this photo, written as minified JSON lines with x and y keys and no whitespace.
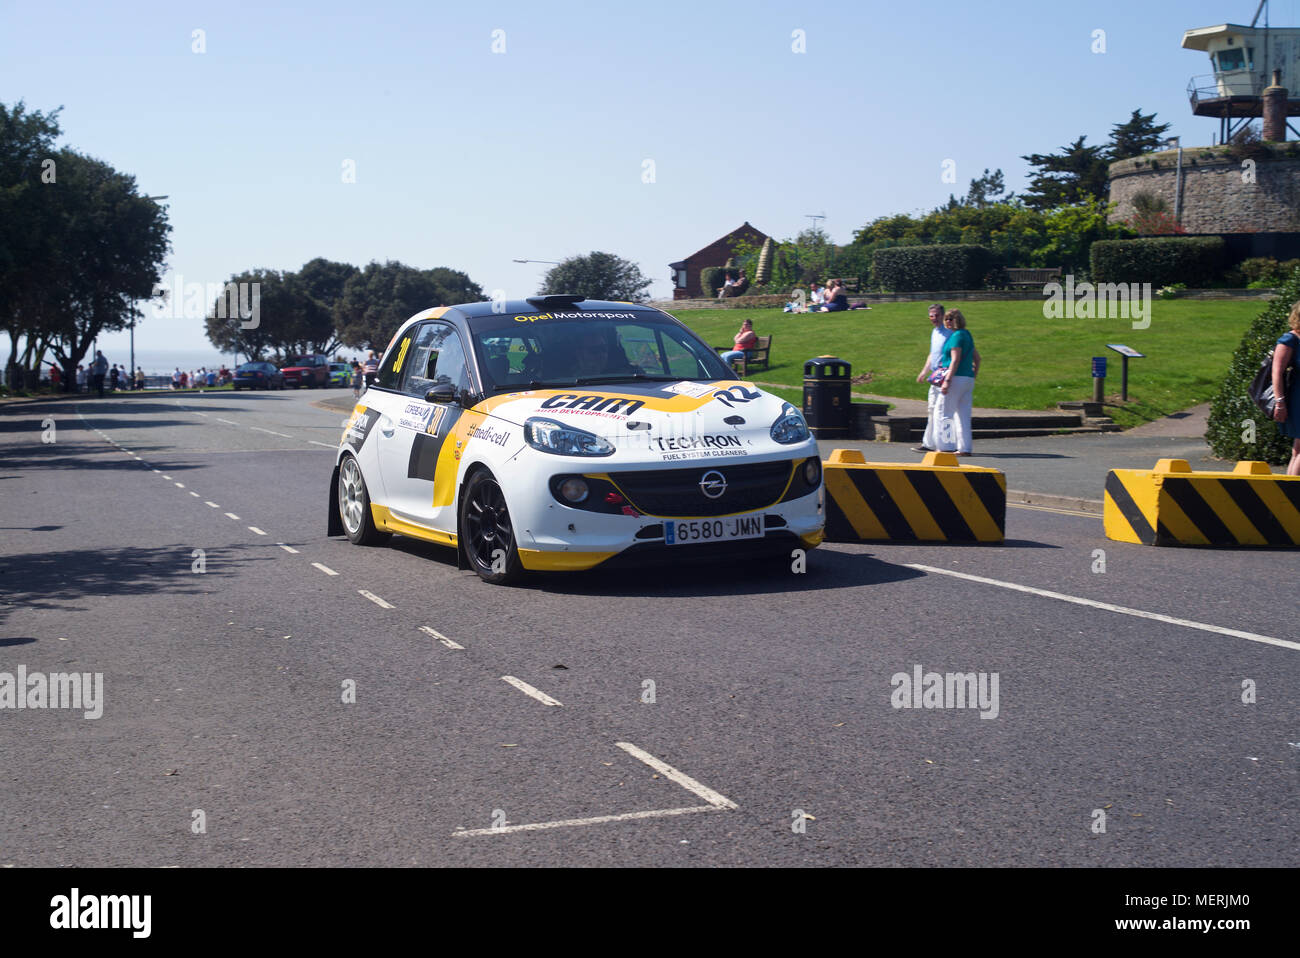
{"x":179,"y":485}
{"x":1106,"y":606}
{"x":290,"y":549}
{"x":212,"y":504}
{"x":531,"y":692}
{"x":324,"y":568}
{"x":231,"y":515}
{"x":228,"y":422}
{"x":375,"y":599}
{"x":441,"y":638}
{"x":257,"y":530}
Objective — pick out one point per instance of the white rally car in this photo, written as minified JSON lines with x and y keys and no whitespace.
{"x":560,"y":434}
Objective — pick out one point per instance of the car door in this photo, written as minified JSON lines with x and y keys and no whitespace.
{"x":414,"y":431}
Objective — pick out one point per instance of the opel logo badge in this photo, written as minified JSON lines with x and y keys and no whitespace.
{"x":713,"y":484}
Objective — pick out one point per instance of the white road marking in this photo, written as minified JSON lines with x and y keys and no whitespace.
{"x":530,"y":691}
{"x":375,"y":599}
{"x":195,"y":495}
{"x":1106,"y":606}
{"x":231,"y":515}
{"x":270,"y":432}
{"x":289,"y":549}
{"x":441,"y":638}
{"x":327,"y":445}
{"x":212,"y":504}
{"x":228,"y":422}
{"x":257,"y":530}
{"x":685,"y":781}
{"x":168,"y":478}
{"x":598,"y":820}
{"x":1063,"y":512}
{"x":159,"y":471}
{"x":180,"y":485}
{"x":324,"y":568}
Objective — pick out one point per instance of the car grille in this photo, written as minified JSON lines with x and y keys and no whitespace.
{"x":676,"y":492}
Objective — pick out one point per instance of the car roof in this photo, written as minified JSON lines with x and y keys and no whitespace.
{"x":466,"y":313}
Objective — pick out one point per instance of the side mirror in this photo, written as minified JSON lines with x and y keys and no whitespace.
{"x":441,"y":393}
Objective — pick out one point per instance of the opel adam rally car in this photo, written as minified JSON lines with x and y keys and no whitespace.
{"x":559,"y":433}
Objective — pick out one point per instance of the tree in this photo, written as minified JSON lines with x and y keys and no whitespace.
{"x":277,"y":302}
{"x":28,"y":225}
{"x":1068,"y":178}
{"x":1139,"y":135}
{"x":378,"y":299}
{"x":598,"y":276}
{"x":112,"y":244}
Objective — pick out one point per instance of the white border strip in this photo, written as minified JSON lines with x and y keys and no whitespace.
{"x":685,"y":781}
{"x":1106,"y":606}
{"x":598,"y":820}
{"x":531,"y":692}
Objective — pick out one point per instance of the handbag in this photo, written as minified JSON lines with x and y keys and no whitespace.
{"x":938,"y":376}
{"x":1260,"y":390}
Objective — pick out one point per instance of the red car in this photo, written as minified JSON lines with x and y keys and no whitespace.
{"x":310,"y":371}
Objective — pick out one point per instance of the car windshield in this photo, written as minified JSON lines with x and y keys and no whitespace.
{"x":250,"y":368}
{"x":559,"y":349}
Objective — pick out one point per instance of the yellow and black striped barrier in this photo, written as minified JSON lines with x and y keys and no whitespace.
{"x":1171,"y":505}
{"x":936,"y":501}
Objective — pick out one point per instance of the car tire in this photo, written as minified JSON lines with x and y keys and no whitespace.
{"x":485,"y":530}
{"x":354,"y":506}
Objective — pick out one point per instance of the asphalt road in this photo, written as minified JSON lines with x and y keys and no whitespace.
{"x":223,"y":690}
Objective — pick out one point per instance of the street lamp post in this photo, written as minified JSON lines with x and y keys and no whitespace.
{"x":131,"y":368}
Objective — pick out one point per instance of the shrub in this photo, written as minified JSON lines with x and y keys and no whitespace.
{"x":1231,"y":411}
{"x":1264,"y":272}
{"x":1194,"y":260}
{"x":908,"y":269}
{"x":711,"y":279}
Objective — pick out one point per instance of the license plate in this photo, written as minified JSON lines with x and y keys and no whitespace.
{"x":678,"y":532}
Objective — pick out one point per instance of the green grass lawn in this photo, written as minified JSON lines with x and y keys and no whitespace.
{"x":1029,"y":362}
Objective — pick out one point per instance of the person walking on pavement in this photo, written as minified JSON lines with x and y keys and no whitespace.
{"x":372,"y":368}
{"x":961,"y":363}
{"x":99,"y":370}
{"x":938,"y":336}
{"x":1286,"y":412}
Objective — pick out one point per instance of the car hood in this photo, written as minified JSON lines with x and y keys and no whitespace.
{"x":663,"y":421}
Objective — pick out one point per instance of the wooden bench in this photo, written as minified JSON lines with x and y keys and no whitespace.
{"x":757,"y":354}
{"x":1033,"y":277}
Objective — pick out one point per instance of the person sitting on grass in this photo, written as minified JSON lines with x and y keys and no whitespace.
{"x":836,"y":298}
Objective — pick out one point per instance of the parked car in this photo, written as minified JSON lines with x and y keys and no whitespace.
{"x":563,"y":434}
{"x":340,"y":374}
{"x":258,"y":376}
{"x":312,"y":371}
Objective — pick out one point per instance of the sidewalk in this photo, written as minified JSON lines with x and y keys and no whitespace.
{"x":1070,"y":471}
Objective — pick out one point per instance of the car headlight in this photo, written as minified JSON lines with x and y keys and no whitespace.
{"x":789,"y":426}
{"x":561,"y":440}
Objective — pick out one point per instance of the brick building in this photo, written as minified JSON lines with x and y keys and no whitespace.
{"x":686,"y":273}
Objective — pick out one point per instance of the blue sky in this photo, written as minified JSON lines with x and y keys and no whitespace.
{"x":470,"y":158}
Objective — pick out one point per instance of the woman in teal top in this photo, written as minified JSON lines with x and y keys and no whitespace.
{"x":960,"y":362}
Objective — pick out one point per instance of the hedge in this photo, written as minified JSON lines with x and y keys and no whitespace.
{"x":711,"y":279}
{"x":1196,"y":261}
{"x":1233,"y":417}
{"x":908,"y":269}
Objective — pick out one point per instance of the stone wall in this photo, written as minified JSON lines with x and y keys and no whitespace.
{"x":1222,"y":193}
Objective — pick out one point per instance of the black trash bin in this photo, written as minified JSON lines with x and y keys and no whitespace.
{"x":826,"y":402}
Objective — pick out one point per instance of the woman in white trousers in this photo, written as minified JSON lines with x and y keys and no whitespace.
{"x":960,"y":362}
